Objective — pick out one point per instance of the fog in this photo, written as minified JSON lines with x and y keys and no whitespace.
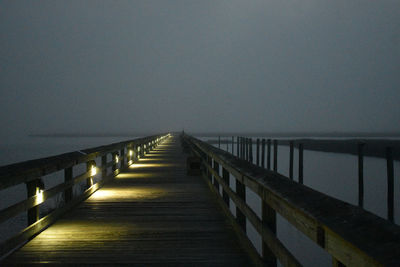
{"x":129,"y":66}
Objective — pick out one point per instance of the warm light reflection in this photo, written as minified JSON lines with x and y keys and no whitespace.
{"x":67,"y":233}
{"x":135,"y":176}
{"x":116,"y":159}
{"x":130,"y":153}
{"x":128,"y":194}
{"x":149,"y":159}
{"x":152,"y":165}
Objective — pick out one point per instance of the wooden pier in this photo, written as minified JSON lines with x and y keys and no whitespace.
{"x":140,"y":207}
{"x":151,"y":213}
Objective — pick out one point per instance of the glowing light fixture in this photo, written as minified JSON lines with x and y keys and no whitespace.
{"x":130,"y":153}
{"x":116,"y":159}
{"x":39,"y":195}
{"x":93,"y":171}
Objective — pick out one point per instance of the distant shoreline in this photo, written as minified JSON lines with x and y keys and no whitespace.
{"x":225,"y":134}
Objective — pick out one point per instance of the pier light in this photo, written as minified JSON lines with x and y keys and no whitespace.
{"x":93,"y":170}
{"x":116,"y":158}
{"x":131,"y":152}
{"x":39,"y":195}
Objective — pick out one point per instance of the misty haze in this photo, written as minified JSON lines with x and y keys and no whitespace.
{"x":185,"y":132}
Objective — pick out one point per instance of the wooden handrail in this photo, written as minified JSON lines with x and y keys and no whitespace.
{"x":30,"y":173}
{"x":352,"y":236}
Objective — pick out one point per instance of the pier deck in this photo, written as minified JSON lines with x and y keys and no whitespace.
{"x":151,"y":213}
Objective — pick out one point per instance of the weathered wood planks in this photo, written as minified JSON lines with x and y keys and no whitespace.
{"x":151,"y":213}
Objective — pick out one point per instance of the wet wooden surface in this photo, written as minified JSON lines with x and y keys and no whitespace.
{"x":151,"y":214}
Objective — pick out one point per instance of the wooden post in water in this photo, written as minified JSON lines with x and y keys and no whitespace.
{"x":291,"y":161}
{"x":68,"y":177}
{"x":275,"y":155}
{"x":269,"y":221}
{"x":390,"y":183}
{"x":241,"y":148}
{"x":269,"y":154}
{"x":301,"y":163}
{"x":360,"y":175}
{"x":237,"y":146}
{"x":251,"y":150}
{"x":246,"y":149}
{"x":225,"y":177}
{"x":263,"y":153}
{"x":258,"y":152}
{"x":240,"y":217}
{"x":31,"y":190}
{"x":233,"y":145}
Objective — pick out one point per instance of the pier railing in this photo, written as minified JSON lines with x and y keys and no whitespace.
{"x":31,"y":172}
{"x":266,"y":156}
{"x":353,"y":236}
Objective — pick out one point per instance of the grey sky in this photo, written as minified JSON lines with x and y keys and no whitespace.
{"x":104,"y":66}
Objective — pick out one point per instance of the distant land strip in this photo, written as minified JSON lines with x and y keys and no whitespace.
{"x":222,"y":134}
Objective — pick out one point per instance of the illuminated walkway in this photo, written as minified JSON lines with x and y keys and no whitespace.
{"x":151,"y":213}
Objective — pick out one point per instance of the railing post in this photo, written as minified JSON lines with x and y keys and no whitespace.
{"x":89,"y":180}
{"x":103,"y":167}
{"x":360,"y":175}
{"x":263,"y":153}
{"x":122,"y":157}
{"x":301,"y":163}
{"x":269,"y":154}
{"x":258,"y":153}
{"x":275,"y":155}
{"x":269,"y":222}
{"x":390,"y":183}
{"x":31,"y":189}
{"x":225,"y":177}
{"x":68,"y":177}
{"x":251,"y":150}
{"x":114,"y":159}
{"x":216,"y":169}
{"x":209,"y":161}
{"x":291,"y":160}
{"x":240,"y":217}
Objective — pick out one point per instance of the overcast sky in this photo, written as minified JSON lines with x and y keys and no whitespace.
{"x":114,"y":66}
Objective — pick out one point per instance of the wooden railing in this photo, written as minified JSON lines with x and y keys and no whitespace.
{"x":353,"y":236}
{"x":267,"y":156}
{"x":30,"y":173}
